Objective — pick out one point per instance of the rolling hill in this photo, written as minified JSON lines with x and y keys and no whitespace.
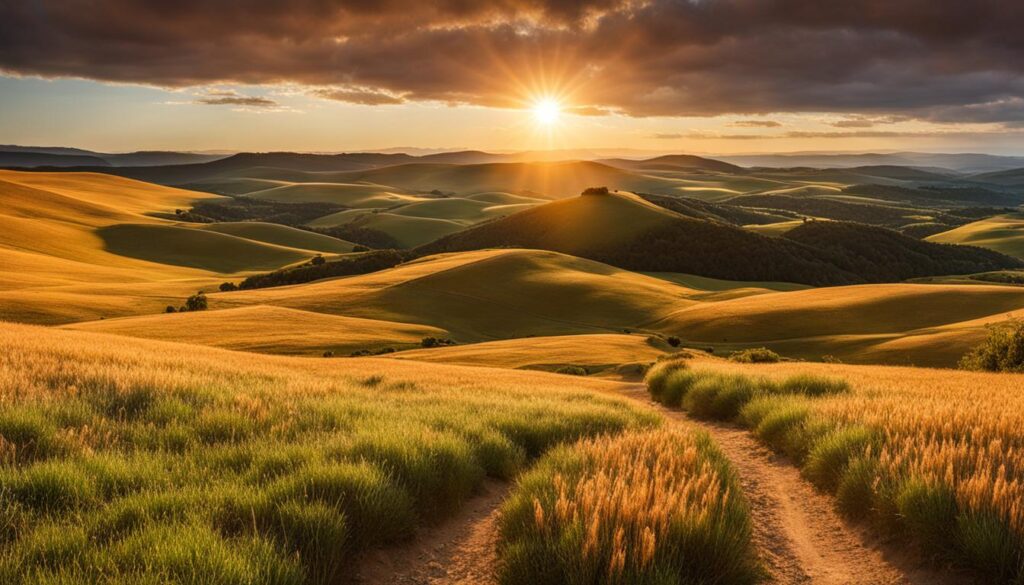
{"x":79,"y":246}
{"x":281,"y":330}
{"x":484,"y":295}
{"x":1003,"y":233}
{"x":624,"y":230}
{"x":930,"y":325}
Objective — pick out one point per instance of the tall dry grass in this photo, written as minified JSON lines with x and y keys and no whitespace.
{"x":129,"y":461}
{"x":639,"y":508}
{"x":936,"y":456}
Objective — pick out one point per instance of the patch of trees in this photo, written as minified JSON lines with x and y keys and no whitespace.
{"x":196,"y":302}
{"x":1015,"y":278}
{"x":436,"y":342}
{"x":723,"y":212}
{"x":924,"y":229}
{"x":881,"y":255}
{"x":345,"y":266}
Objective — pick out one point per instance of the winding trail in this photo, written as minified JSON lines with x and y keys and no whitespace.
{"x":460,"y":551}
{"x":799,"y":534}
{"x":796,"y":529}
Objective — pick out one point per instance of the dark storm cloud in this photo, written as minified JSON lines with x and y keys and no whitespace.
{"x":942,"y":60}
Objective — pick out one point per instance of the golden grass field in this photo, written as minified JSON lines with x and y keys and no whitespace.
{"x":150,"y":461}
{"x":1003,"y":233}
{"x":596,"y":352}
{"x":267,"y":329}
{"x":936,"y":453}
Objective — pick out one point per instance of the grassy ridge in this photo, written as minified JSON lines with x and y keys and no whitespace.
{"x":655,"y":507}
{"x":128,"y":461}
{"x":935,"y":458}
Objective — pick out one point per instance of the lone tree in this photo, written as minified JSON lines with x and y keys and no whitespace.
{"x":228,"y":287}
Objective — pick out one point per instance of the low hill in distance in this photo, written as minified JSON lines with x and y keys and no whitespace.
{"x":1003,"y":233}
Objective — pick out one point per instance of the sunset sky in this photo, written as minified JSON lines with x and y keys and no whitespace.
{"x":703,"y":76}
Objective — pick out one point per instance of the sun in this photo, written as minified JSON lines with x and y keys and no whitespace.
{"x":547,"y":111}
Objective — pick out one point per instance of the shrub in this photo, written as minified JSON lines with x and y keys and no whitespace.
{"x":1002,"y":351}
{"x":827,"y":460}
{"x":196,"y":302}
{"x":595,"y":191}
{"x":812,"y":385}
{"x":673,"y":341}
{"x":170,"y":309}
{"x":328,"y":354}
{"x":572,"y":370}
{"x":317,"y":260}
{"x":757,"y":355}
{"x":228,"y":286}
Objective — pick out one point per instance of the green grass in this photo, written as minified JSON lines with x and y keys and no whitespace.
{"x":130,"y":461}
{"x":655,"y":507}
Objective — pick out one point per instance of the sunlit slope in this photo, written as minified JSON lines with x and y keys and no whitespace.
{"x":281,"y":235}
{"x":360,"y":195}
{"x":891,"y":323}
{"x":1003,"y":233}
{"x":51,"y":220}
{"x":268,"y":330}
{"x":78,"y":246}
{"x":594,"y":351}
{"x":488,"y":294}
{"x":579,"y":226}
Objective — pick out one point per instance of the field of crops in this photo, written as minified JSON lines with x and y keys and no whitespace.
{"x":934,"y":456}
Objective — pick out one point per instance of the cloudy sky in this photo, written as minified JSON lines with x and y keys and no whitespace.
{"x":666,"y":75}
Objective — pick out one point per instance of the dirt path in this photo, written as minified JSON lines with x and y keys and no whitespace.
{"x":801,"y":537}
{"x":460,"y":551}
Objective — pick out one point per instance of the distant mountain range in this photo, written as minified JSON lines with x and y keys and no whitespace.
{"x":12,"y":156}
{"x":960,"y":162}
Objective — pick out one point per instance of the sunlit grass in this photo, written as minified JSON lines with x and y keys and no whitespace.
{"x":640,"y":508}
{"x":129,"y":461}
{"x":934,"y":456}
